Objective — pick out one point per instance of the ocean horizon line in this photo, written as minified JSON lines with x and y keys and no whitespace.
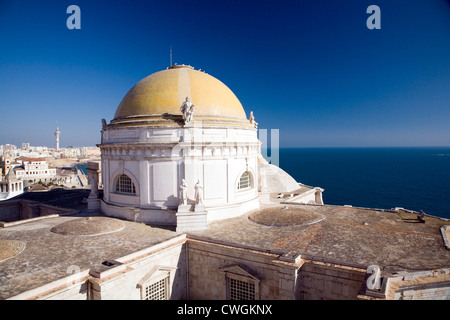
{"x":360,"y":147}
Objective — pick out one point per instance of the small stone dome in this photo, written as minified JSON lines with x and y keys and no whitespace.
{"x":89,"y":226}
{"x":288,"y":216}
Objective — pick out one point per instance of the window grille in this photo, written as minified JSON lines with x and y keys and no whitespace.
{"x":157,"y":290}
{"x":241,"y":290}
{"x":244,"y":181}
{"x":125,"y":185}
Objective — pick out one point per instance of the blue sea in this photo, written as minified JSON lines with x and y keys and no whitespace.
{"x":82,"y":167}
{"x":383,"y":178}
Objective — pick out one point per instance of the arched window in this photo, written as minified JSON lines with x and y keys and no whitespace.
{"x":125,"y":185}
{"x":245,"y":181}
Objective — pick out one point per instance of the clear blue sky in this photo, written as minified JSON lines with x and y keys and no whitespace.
{"x":311,"y":69}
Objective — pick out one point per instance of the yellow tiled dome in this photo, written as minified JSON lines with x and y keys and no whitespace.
{"x":161,"y":94}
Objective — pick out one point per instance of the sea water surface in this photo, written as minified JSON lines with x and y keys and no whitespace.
{"x":384,"y":178}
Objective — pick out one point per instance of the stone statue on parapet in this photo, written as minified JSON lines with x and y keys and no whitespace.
{"x":187,"y":109}
{"x":183,"y":192}
{"x":198,"y":193}
{"x":252,"y":120}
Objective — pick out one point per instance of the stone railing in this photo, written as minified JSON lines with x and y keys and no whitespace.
{"x":18,"y":210}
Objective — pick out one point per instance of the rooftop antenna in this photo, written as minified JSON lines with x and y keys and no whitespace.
{"x":170,"y":55}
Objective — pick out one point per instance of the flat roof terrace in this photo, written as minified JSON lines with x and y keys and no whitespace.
{"x":395,"y":241}
{"x":45,"y":250}
{"x":42,"y":251}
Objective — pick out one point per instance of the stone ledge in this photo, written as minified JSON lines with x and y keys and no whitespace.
{"x":15,"y":223}
{"x":445,"y":231}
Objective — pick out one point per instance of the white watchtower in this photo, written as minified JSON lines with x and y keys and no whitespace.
{"x":57,"y":132}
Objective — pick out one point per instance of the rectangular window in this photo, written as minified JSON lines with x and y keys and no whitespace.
{"x":157,"y":290}
{"x":240,"y":290}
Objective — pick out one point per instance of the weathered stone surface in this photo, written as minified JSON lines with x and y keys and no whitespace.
{"x":287,"y":216}
{"x":10,"y":248}
{"x":89,"y":226}
{"x":332,"y":254}
{"x":48,"y":256}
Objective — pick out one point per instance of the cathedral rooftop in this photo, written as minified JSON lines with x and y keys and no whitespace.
{"x":55,"y":245}
{"x":395,"y":240}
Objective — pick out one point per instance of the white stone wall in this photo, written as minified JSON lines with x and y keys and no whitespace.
{"x":121,"y":281}
{"x":157,"y":159}
{"x":73,"y":287}
{"x":313,"y":196}
{"x":421,"y":285}
{"x":207,"y":280}
{"x":123,"y":285}
{"x":324,"y":281}
{"x":150,"y":216}
{"x":432,"y":291}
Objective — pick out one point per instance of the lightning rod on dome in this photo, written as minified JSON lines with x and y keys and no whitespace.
{"x":170,"y":55}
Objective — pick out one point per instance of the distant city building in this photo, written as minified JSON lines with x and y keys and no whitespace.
{"x":30,"y":151}
{"x":34,"y":164}
{"x":7,"y":160}
{"x":80,"y":152}
{"x":35,"y":169}
{"x":10,"y":186}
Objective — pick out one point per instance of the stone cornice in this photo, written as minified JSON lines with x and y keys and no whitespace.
{"x":134,"y":151}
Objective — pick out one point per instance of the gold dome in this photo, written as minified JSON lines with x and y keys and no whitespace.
{"x":158,"y":98}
